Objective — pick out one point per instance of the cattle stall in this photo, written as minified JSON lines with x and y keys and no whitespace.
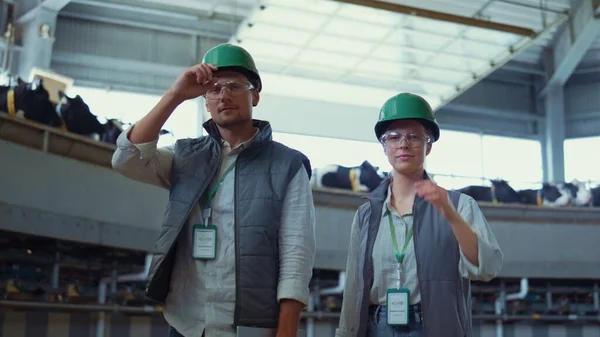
{"x":76,"y":237}
{"x":51,"y":324}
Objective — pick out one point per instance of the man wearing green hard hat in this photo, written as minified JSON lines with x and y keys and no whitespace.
{"x":414,"y":246}
{"x":236,"y":249}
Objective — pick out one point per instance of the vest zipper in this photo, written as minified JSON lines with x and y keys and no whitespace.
{"x":416,"y":228}
{"x":236,"y":312}
{"x":185,"y":219}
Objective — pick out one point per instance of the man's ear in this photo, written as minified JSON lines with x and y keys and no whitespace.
{"x":255,"y":97}
{"x":428,"y":150}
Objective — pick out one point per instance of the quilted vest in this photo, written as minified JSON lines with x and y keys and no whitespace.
{"x":262,"y":173}
{"x":445,"y":295}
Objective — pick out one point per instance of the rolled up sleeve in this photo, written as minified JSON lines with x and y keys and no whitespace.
{"x":490,"y":255}
{"x":297,"y":241}
{"x":143,"y":162}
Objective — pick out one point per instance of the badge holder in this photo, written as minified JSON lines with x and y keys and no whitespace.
{"x":205,"y":239}
{"x":397,"y":300}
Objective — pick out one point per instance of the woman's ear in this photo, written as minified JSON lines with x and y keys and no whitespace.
{"x":255,"y":97}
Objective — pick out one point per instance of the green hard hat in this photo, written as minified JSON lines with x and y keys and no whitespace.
{"x":230,"y":57}
{"x":407,"y":106}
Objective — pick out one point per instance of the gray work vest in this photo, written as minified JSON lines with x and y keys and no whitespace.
{"x":262,"y":173}
{"x":445,"y":295}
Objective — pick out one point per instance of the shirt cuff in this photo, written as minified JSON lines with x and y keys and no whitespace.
{"x":339,"y":332}
{"x":470,"y":267}
{"x":293,"y":289}
{"x":145,"y":149}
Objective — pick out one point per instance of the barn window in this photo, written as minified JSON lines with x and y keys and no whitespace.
{"x":130,"y":107}
{"x":518,"y":161}
{"x":580,"y":159}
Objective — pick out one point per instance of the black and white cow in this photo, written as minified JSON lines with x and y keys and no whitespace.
{"x":78,"y":117}
{"x":499,"y":192}
{"x":549,"y":195}
{"x":574,"y":193}
{"x":29,"y":101}
{"x":80,"y":120}
{"x":579,"y":194}
{"x":112,"y":129}
{"x":363,"y":178}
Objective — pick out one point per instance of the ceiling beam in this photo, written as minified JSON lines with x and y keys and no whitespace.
{"x":137,"y":9}
{"x":118,"y":64}
{"x":30,"y":8}
{"x":425,"y":13}
{"x":151,"y":26}
{"x":571,"y":43}
{"x":156,"y":20}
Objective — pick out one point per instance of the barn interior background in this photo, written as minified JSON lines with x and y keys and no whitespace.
{"x":515,"y":85}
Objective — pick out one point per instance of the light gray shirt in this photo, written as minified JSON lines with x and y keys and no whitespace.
{"x":202,"y":294}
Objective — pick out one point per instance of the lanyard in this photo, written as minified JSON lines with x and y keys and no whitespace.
{"x":399,"y":255}
{"x":207,"y":211}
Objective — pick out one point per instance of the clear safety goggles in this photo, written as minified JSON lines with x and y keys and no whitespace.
{"x":393,"y":139}
{"x":233,"y":88}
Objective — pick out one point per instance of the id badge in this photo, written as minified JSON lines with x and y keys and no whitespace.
{"x":205,"y":242}
{"x":397,"y":306}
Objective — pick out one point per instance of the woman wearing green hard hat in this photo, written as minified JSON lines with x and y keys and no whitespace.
{"x":237,"y":245}
{"x":414,"y":246}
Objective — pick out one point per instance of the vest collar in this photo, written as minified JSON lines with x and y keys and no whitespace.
{"x":262,"y":137}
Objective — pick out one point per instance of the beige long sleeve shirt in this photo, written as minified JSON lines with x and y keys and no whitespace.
{"x":202,"y":294}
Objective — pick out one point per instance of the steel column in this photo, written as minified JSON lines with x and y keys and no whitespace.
{"x":35,"y":31}
{"x":553,"y":138}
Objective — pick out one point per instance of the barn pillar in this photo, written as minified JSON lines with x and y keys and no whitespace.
{"x":553,"y":135}
{"x":553,"y":129}
{"x":35,"y":26}
{"x":572,"y":41}
{"x":38,"y":40}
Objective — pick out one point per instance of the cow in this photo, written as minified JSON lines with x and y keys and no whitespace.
{"x":558,"y":195}
{"x":78,"y":117}
{"x":499,"y":192}
{"x":80,"y":120}
{"x":579,"y":194}
{"x":363,"y":178}
{"x":595,"y":192}
{"x":112,"y":129}
{"x":30,"y":101}
{"x":550,"y":194}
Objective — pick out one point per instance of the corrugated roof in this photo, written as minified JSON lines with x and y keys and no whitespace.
{"x":357,"y":45}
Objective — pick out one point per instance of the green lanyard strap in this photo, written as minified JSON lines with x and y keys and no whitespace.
{"x":399,"y":256}
{"x":215,"y":188}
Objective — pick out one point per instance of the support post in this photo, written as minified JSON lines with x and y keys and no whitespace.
{"x":570,"y":44}
{"x":553,"y":133}
{"x":36,"y":31}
